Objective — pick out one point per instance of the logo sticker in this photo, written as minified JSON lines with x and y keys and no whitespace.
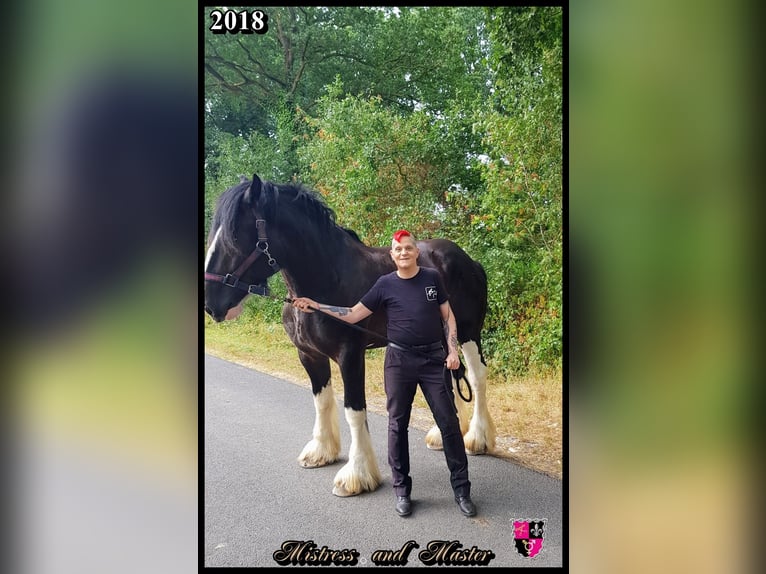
{"x":528,"y":537}
{"x":431,"y":293}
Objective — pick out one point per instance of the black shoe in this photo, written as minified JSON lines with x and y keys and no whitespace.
{"x":467,"y":507}
{"x":403,"y":506}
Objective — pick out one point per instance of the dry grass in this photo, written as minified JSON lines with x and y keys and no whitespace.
{"x":527,"y":411}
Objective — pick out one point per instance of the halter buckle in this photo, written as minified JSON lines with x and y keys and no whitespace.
{"x":259,"y":289}
{"x":230,"y":280}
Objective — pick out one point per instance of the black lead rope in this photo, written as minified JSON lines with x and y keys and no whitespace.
{"x":458,"y":374}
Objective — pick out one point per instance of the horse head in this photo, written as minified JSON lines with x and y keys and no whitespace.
{"x":239,"y":259}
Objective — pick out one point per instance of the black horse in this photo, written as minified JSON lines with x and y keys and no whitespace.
{"x":260,"y":228}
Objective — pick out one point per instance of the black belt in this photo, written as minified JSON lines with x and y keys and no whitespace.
{"x":418,"y":348}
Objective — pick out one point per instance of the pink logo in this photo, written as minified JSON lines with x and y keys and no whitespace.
{"x":528,"y":537}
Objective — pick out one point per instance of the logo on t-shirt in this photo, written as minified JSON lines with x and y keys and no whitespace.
{"x":431,"y":293}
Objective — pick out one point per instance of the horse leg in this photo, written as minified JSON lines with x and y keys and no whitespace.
{"x":324,"y":447}
{"x":481,"y":434}
{"x":361,"y":472}
{"x":434,"y":435}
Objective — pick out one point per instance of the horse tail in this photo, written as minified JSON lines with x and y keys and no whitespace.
{"x":484,"y":282}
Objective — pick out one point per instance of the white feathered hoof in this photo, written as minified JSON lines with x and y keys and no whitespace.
{"x":353,"y":479}
{"x":340,"y":490}
{"x":477,"y":443}
{"x":314,"y":455}
{"x":434,"y":439}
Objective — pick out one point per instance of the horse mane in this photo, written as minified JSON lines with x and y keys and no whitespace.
{"x":352,"y":233}
{"x":226,"y":213}
{"x":292,"y":196}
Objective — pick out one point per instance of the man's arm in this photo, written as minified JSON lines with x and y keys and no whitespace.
{"x":448,"y":318}
{"x":348,"y":314}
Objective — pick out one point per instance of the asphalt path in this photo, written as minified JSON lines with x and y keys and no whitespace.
{"x":258,"y":498}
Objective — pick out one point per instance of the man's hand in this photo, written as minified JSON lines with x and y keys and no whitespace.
{"x":452,"y":361}
{"x":305,"y":304}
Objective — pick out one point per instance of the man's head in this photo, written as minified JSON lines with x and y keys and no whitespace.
{"x":404,"y":250}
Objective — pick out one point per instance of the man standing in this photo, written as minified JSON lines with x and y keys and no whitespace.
{"x":417,"y":306}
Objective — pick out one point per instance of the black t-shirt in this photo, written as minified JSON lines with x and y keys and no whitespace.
{"x":412,"y":306}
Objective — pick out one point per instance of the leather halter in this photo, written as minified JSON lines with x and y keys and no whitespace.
{"x":233,"y":279}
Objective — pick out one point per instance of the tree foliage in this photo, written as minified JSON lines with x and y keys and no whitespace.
{"x":518,"y":218}
{"x":446,"y":121}
{"x":380,"y":169}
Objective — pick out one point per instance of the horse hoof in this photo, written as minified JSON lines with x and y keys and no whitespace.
{"x":342,"y":492}
{"x":434,"y":439}
{"x":478,"y":450}
{"x":476,"y":443}
{"x":311,"y":462}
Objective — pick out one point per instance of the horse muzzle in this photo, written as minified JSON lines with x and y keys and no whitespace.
{"x":230,"y":314}
{"x":217,"y":318}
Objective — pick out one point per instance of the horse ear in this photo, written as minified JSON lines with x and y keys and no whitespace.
{"x":254,"y":191}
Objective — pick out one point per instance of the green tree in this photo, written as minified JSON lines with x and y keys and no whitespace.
{"x":410,"y":58}
{"x":517,"y":221}
{"x":380,"y":169}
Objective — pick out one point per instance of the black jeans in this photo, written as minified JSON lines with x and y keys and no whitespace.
{"x":403,"y":371}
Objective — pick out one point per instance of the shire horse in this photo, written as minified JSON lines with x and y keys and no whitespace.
{"x":261,"y":228}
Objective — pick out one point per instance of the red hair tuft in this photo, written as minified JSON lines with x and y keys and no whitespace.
{"x":401,"y":233}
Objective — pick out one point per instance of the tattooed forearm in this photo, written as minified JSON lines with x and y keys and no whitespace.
{"x":342,"y":311}
{"x":452,"y":342}
{"x":451,"y":334}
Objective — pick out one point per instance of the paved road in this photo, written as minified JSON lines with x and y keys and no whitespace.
{"x":257,"y":497}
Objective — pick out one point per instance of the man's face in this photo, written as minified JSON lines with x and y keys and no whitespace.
{"x":404,"y":253}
